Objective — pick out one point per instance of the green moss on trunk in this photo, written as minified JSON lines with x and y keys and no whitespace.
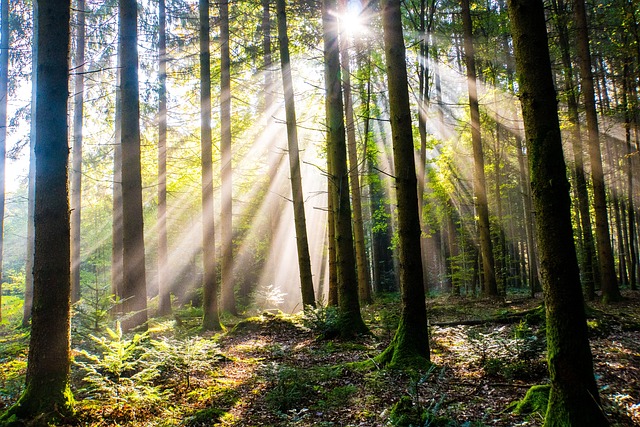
{"x":40,"y":405}
{"x":536,"y":400}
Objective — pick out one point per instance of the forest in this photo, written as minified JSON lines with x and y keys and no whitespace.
{"x":319,"y":213}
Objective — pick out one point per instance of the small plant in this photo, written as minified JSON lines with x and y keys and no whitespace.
{"x":268,"y":297}
{"x":179,"y":360}
{"x":323,"y":320}
{"x":120,"y":374}
{"x":290,"y":388}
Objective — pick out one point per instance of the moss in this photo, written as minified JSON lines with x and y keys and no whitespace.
{"x":535,"y":401}
{"x":39,"y":407}
{"x":404,"y":413}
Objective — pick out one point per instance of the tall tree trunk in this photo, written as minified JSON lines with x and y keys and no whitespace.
{"x":364,"y":282}
{"x":47,"y":393}
{"x":116,"y":231}
{"x":589,"y":260}
{"x":211,"y":317}
{"x":610,"y":290}
{"x":76,"y":171}
{"x":348,"y":302}
{"x":628,"y":108}
{"x":304,"y":260}
{"x":479,"y":181}
{"x":134,"y":288}
{"x":164,"y":295}
{"x":4,"y":85}
{"x":574,"y":399}
{"x":410,"y":345}
{"x":528,"y":221}
{"x":226,"y":221}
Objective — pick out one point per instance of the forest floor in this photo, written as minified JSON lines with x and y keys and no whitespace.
{"x":274,"y":370}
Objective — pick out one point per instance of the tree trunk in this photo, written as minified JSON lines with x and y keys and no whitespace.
{"x":134,"y":288}
{"x":574,"y":399}
{"x":226,"y":222}
{"x":534,"y":284}
{"x":348,"y":302}
{"x":628,"y":108}
{"x":164,"y":295}
{"x":364,"y":282}
{"x":47,"y":394}
{"x":76,"y":171}
{"x":304,"y":260}
{"x":610,"y":290}
{"x":479,"y":182}
{"x":410,"y":345}
{"x":116,"y":231}
{"x":589,"y":260}
{"x":211,"y":315}
{"x":4,"y":85}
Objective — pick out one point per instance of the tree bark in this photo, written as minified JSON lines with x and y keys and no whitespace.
{"x":4,"y":85}
{"x":134,"y":288}
{"x":211,"y":315}
{"x":364,"y":281}
{"x":348,"y":303}
{"x":410,"y":345}
{"x":47,"y":394}
{"x":300,"y":222}
{"x":226,"y":222}
{"x":574,"y":396}
{"x":610,"y":290}
{"x":76,"y":171}
{"x":490,"y":287}
{"x":589,"y":260}
{"x":164,"y":295}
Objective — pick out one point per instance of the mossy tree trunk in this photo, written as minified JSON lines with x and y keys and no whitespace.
{"x":210,"y":309}
{"x":574,"y":399}
{"x":134,"y":286}
{"x":47,"y":381}
{"x":410,"y":345}
{"x":351,"y":322}
{"x":299,"y":217}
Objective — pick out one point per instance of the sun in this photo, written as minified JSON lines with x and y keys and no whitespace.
{"x":352,"y":21}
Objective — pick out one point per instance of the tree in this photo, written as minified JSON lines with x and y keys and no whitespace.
{"x":47,"y":394}
{"x":211,"y":318}
{"x":410,"y":345}
{"x":610,"y":290}
{"x":164,"y":296}
{"x":76,"y":170}
{"x":348,"y":303}
{"x":304,"y":260}
{"x":574,"y":397}
{"x":364,"y":282}
{"x":4,"y":86}
{"x":589,"y":259}
{"x":490,"y":287}
{"x":226,"y":221}
{"x":134,"y":288}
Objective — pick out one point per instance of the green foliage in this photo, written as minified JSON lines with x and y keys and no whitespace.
{"x":179,"y":360}
{"x":290,"y":387}
{"x":268,"y":297}
{"x":323,"y":320}
{"x":518,"y":357}
{"x":121,"y":374}
{"x":535,"y":401}
{"x":91,"y":313}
